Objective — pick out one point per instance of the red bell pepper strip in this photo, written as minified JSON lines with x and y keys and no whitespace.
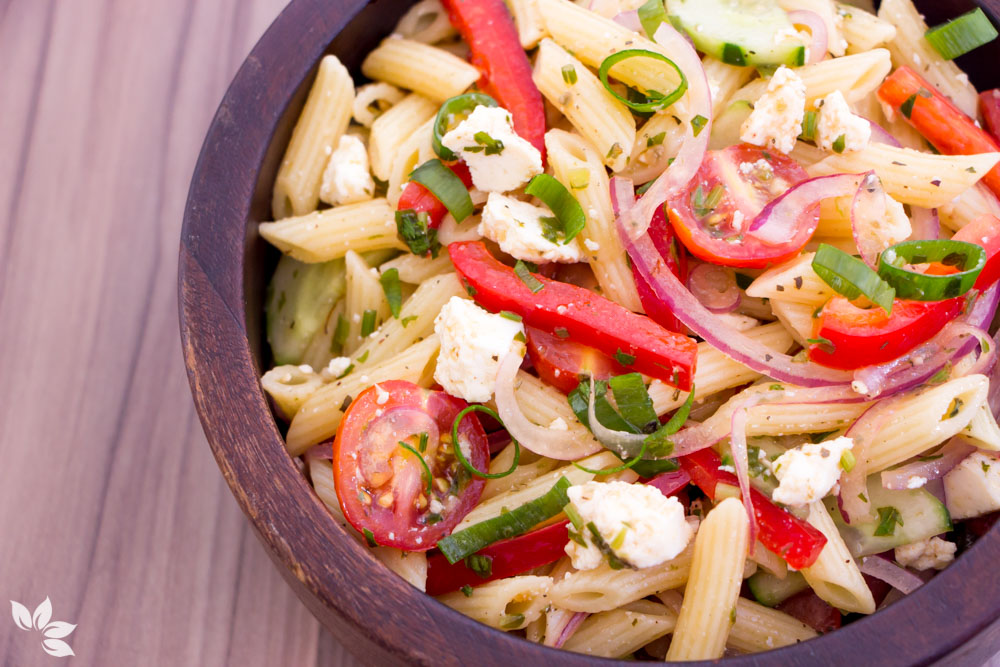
{"x":417,"y":198}
{"x":508,"y":557}
{"x":943,"y":124}
{"x":785,"y":534}
{"x":665,"y":241}
{"x":562,"y":362}
{"x":984,"y":231}
{"x":488,"y":29}
{"x":579,"y":314}
{"x":989,"y":106}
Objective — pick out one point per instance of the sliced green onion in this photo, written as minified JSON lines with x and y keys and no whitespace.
{"x":579,"y":178}
{"x":511,"y":316}
{"x":656,"y":100}
{"x":632,"y":398}
{"x":485,"y":144}
{"x":641,"y":190}
{"x":415,"y":232}
{"x":458,"y":450}
{"x":850,"y":277}
{"x":569,"y":74}
{"x":847,"y":460}
{"x":614,"y":562}
{"x":651,"y":15}
{"x":368,"y":323}
{"x":516,"y":522}
{"x":649,"y":468}
{"x":968,"y":258}
{"x":446,"y":186}
{"x":532,"y":283}
{"x":369,"y":537}
{"x":573,"y":516}
{"x":698,"y":124}
{"x":450,"y":114}
{"x":659,"y":442}
{"x":341,"y":332}
{"x":808,"y":126}
{"x":579,"y":400}
{"x":961,"y":35}
{"x":426,"y":474}
{"x":364,"y":357}
{"x":568,"y":212}
{"x":481,"y":565}
{"x":393,"y":291}
{"x":839,"y":144}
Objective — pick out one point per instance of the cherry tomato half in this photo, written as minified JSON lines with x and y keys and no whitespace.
{"x":711,"y":216}
{"x":382,"y":486}
{"x":861,"y":337}
{"x":985,"y":231}
{"x":562,"y":362}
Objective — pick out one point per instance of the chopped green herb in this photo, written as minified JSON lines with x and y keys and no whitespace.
{"x":698,"y":124}
{"x":819,"y":340}
{"x":364,"y":357}
{"x":481,"y":565}
{"x":486,"y":144}
{"x":562,"y":332}
{"x":369,"y":537}
{"x":847,"y":460}
{"x":510,"y":316}
{"x":512,"y":621}
{"x":406,"y":320}
{"x":888,"y":518}
{"x":839,"y":144}
{"x":466,"y":590}
{"x":530,"y":281}
{"x":906,"y":108}
{"x":416,"y":234}
{"x":393,"y":292}
{"x":623,"y":358}
{"x":427,"y":470}
{"x":655,"y":140}
{"x":341,"y":332}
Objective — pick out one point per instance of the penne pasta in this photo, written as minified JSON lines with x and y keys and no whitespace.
{"x":434,"y":73}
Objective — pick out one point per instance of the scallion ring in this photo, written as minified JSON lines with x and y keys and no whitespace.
{"x":568,"y":212}
{"x":656,"y":99}
{"x":850,"y":277}
{"x":446,"y":186}
{"x":452,"y":108}
{"x":458,"y":450}
{"x":968,"y":258}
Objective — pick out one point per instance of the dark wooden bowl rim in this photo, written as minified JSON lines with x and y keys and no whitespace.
{"x":372,"y":611}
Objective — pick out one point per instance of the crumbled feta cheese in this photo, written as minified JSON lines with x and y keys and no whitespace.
{"x":915,"y":481}
{"x":559,"y":424}
{"x":927,"y":554}
{"x":347,"y":178}
{"x":776,"y":120}
{"x":517,"y":227}
{"x":859,"y":387}
{"x":761,"y":169}
{"x":435,"y":506}
{"x":737,"y":220}
{"x":499,"y":160}
{"x":972,"y":488}
{"x":836,"y":121}
{"x":381,"y":395}
{"x":809,"y":472}
{"x":642,"y":526}
{"x":592,"y":246}
{"x":473,"y":342}
{"x":337,"y":367}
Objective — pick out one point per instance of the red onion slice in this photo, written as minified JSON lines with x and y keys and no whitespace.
{"x":741,"y":461}
{"x":635,"y":218}
{"x":872,"y":220}
{"x":630,"y":20}
{"x":986,"y":359}
{"x":902,"y":580}
{"x":817,"y":28}
{"x":715,"y":287}
{"x":993,"y":397}
{"x":322,"y":451}
{"x":880,"y":135}
{"x":779,"y":220}
{"x":925,"y":224}
{"x":949,"y":456}
{"x":853,"y":497}
{"x":669,"y":483}
{"x":571,"y":627}
{"x":562,"y":445}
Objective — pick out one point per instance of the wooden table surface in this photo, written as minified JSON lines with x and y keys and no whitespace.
{"x":111,"y":504}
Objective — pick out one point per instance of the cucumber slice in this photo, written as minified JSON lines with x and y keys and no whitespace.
{"x":922,"y":516}
{"x":740,"y":32}
{"x":726,"y":127}
{"x":299,"y":299}
{"x":770,"y":591}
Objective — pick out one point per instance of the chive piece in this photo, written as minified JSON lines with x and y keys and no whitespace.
{"x":446,"y":186}
{"x":512,"y":621}
{"x":651,"y":15}
{"x":808,"y":126}
{"x":614,"y":561}
{"x":961,"y":35}
{"x":569,"y":74}
{"x":623,"y":358}
{"x":368,"y":323}
{"x":415,"y":232}
{"x":364,"y":357}
{"x":406,"y":320}
{"x":655,"y":140}
{"x":480,"y":564}
{"x":655,"y":100}
{"x":839,"y":144}
{"x":510,"y":316}
{"x":424,"y":437}
{"x":851,"y":277}
{"x":847,"y":460}
{"x":458,"y":450}
{"x":393,"y":292}
{"x":573,"y":516}
{"x":906,"y":108}
{"x":968,"y":258}
{"x":466,"y":590}
{"x":451,"y":113}
{"x":530,"y":281}
{"x":341,"y":332}
{"x":888,"y":517}
{"x":519,"y":520}
{"x":569,"y":214}
{"x":698,"y":124}
{"x":427,"y":469}
{"x":369,"y":537}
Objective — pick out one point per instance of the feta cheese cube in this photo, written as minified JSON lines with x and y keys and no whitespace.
{"x":836,"y":121}
{"x":776,"y":119}
{"x":499,"y":160}
{"x":809,"y":472}
{"x":517,"y":227}
{"x":473,"y":342}
{"x":972,"y":488}
{"x":347,"y":178}
{"x":934,"y":553}
{"x":642,"y":526}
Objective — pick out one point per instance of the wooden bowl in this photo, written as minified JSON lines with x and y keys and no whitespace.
{"x":224,"y":267}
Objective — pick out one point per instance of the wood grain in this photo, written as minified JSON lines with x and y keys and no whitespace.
{"x":110,"y":501}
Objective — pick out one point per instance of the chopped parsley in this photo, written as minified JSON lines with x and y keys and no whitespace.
{"x":888,"y":518}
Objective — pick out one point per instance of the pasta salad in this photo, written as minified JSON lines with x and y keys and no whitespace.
{"x":643,"y":328}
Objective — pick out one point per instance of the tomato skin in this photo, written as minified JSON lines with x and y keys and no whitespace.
{"x":665,"y":241}
{"x":943,"y":124}
{"x":984,"y":231}
{"x":561,"y":362}
{"x":861,"y":337}
{"x":366,"y":468}
{"x":748,"y":193}
{"x":780,"y":532}
{"x":989,"y":104}
{"x":416,"y":197}
{"x":587,"y":317}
